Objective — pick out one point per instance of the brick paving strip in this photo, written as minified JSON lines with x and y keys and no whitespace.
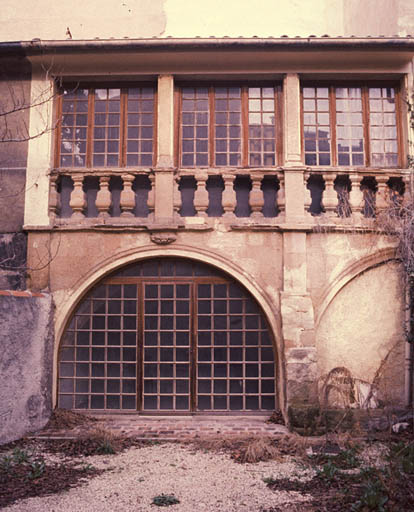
{"x":171,"y":427}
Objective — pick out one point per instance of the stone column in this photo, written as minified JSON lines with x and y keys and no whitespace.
{"x":296,"y":304}
{"x":164,"y":170}
{"x":298,"y":325}
{"x":293,"y":165}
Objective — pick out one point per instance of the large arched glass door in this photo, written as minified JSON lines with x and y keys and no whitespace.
{"x":167,"y":335}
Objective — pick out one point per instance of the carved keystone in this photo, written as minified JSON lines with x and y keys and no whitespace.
{"x":163,"y":238}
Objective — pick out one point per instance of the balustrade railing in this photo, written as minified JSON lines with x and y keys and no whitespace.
{"x":356,"y":195}
{"x":76,"y":196}
{"x":257,"y":195}
{"x":236,"y":194}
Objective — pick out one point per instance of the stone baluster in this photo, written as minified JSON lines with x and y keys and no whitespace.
{"x":54,"y":199}
{"x":177,"y":197}
{"x":356,"y":197}
{"x":330,"y":197}
{"x":280,"y":196}
{"x":256,"y":199}
{"x":229,"y":195}
{"x":77,"y":198}
{"x":408,"y":188}
{"x":151,"y":195}
{"x":103,"y":197}
{"x":382,"y":201}
{"x":127,"y":199}
{"x":201,"y":195}
{"x":308,"y":196}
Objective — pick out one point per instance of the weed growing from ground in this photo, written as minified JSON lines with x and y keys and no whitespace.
{"x":24,"y":474}
{"x":341,"y":482}
{"x":328,"y":472}
{"x":165,"y":500}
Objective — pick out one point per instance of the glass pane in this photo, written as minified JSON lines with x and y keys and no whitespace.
{"x":194,"y":127}
{"x":227,"y":126}
{"x":73,"y":131}
{"x":261,"y":112}
{"x":350,"y":143}
{"x":383,"y":127}
{"x":316,"y":126}
{"x":140,"y":122}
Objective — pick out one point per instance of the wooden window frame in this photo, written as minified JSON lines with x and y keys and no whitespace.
{"x":244,"y":124}
{"x":364,"y":86}
{"x":91,"y":87}
{"x":75,"y":326}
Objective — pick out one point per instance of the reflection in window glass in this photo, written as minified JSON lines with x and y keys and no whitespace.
{"x":360,"y":120}
{"x":349,"y":126}
{"x":107,"y":127}
{"x":262,"y":140}
{"x":228,"y":126}
{"x":73,"y":137}
{"x":317,"y":134}
{"x":383,"y":127}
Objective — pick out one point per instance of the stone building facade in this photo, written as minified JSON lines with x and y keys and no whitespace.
{"x":202,"y":213}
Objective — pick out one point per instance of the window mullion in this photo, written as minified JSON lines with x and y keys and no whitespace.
{"x":245,"y":127}
{"x":123,"y":127}
{"x":90,"y":137}
{"x":212,"y":161}
{"x":279,"y":124}
{"x":365,"y":122}
{"x":398,"y":120}
{"x":332,"y":117}
{"x":179,"y":125}
{"x":192,"y":374}
{"x":140,"y":346}
{"x":155,"y":127}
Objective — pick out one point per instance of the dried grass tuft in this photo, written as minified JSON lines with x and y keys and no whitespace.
{"x":248,"y":449}
{"x":102,"y":440}
{"x":257,"y":450}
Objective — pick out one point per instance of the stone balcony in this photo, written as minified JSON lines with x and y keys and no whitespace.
{"x":236,"y":197}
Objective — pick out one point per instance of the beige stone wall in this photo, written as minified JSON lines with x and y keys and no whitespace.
{"x":352,"y":318}
{"x":362,"y":330}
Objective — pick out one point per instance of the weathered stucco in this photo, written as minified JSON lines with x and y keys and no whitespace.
{"x":362,"y":330}
{"x":179,"y":18}
{"x":26,"y":328}
{"x":80,"y":20}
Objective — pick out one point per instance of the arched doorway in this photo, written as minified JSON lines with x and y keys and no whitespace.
{"x":167,"y":335}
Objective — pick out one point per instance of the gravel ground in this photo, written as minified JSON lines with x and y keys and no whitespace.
{"x":201,"y":481}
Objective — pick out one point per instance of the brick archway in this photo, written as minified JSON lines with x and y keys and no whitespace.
{"x":167,"y":335}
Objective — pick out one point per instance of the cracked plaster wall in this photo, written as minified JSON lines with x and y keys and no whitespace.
{"x":26,"y":342}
